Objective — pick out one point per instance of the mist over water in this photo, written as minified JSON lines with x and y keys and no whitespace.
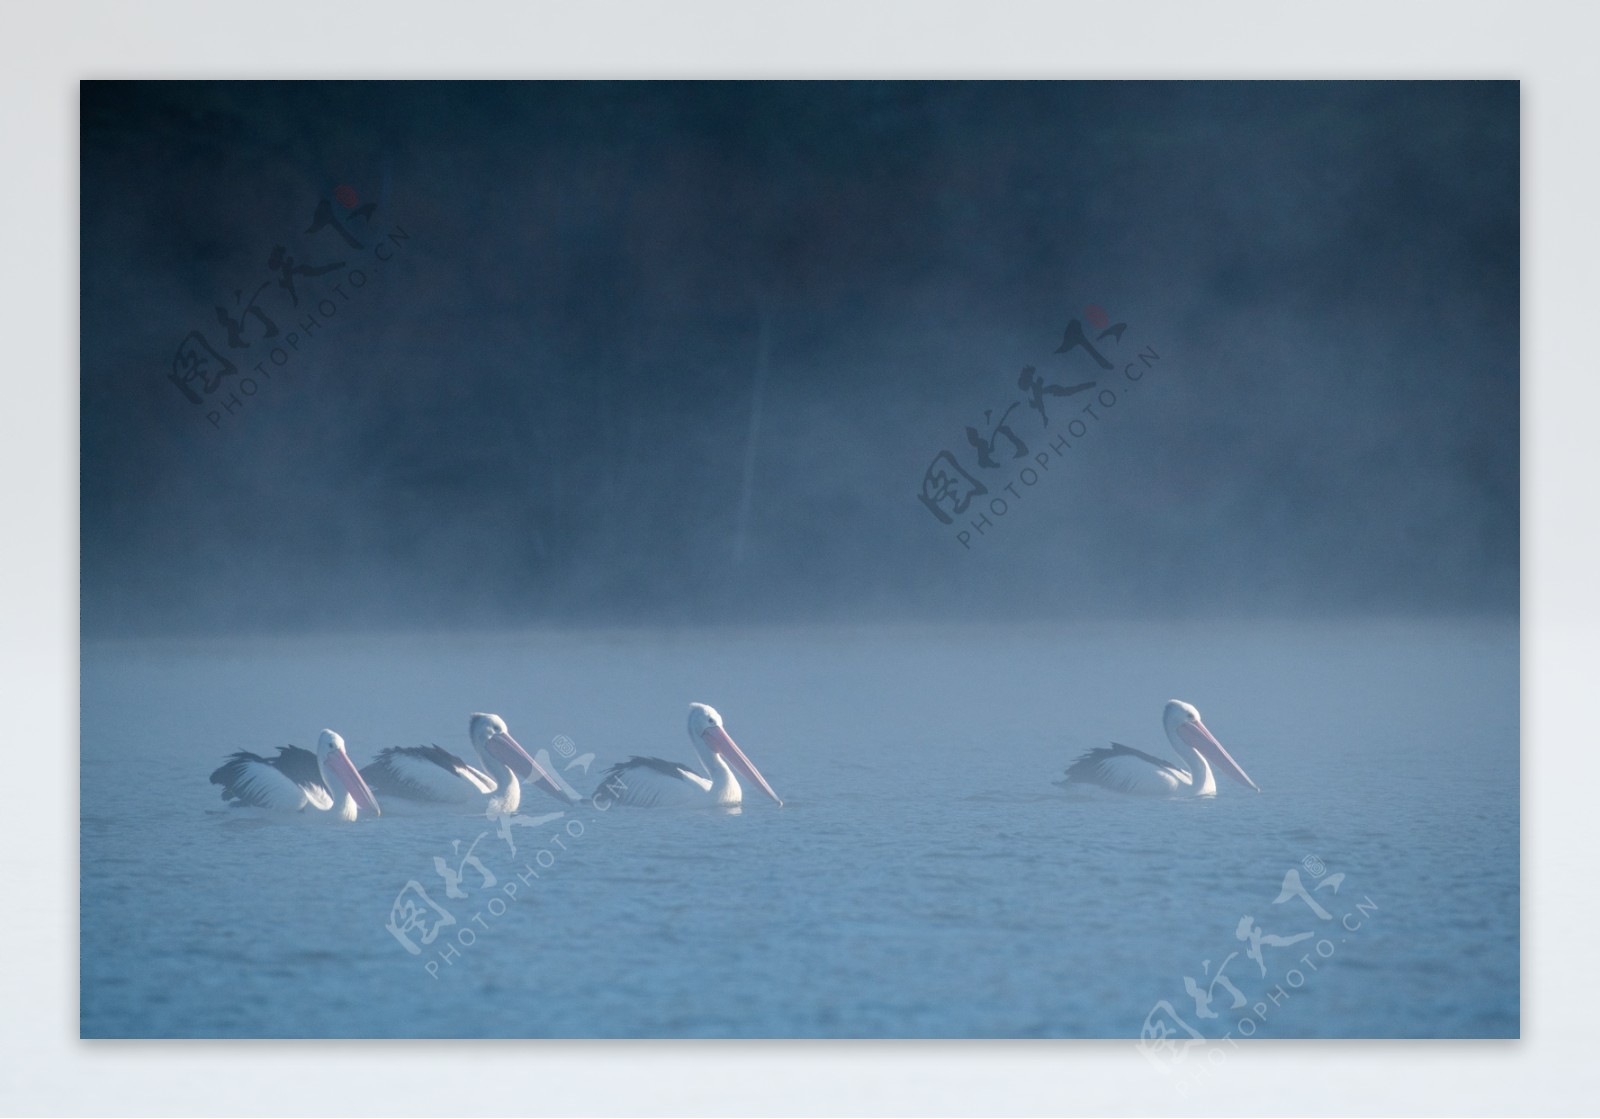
{"x":924,"y":878}
{"x":681,"y":351}
{"x":578,"y":402}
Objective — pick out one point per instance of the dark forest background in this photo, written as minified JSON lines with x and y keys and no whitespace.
{"x":682,"y":352}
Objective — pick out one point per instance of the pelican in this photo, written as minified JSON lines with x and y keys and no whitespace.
{"x":297,"y":779}
{"x":434,"y":775}
{"x":647,"y":782}
{"x":1126,"y":770}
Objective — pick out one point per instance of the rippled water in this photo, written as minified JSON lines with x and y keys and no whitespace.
{"x":925,"y":879}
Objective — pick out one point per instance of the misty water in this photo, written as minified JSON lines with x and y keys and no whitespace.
{"x":924,"y":879}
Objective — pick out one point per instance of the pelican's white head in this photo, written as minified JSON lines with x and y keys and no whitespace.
{"x":501,"y":752}
{"x":338,"y":771}
{"x":481,"y":725}
{"x":1186,"y":731}
{"x":1177,"y":712}
{"x":710,"y":740}
{"x":702,"y":716}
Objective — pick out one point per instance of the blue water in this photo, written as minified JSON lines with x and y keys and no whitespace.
{"x":925,"y":878}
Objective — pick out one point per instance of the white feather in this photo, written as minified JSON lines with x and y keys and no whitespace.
{"x":1125,"y":770}
{"x":652,"y":783}
{"x":264,"y":786}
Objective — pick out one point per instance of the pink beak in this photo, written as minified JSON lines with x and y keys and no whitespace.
{"x":720,"y":744}
{"x":340,"y":765}
{"x":1204,"y":743}
{"x":509,"y":753}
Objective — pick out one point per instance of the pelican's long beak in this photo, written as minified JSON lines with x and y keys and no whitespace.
{"x":1205,"y":743}
{"x":717,"y":740}
{"x":340,"y":765}
{"x":509,"y":753}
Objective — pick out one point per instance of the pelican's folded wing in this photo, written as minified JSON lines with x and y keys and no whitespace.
{"x":428,"y":773}
{"x":647,"y":782}
{"x":1125,"y":770}
{"x":250,"y":780}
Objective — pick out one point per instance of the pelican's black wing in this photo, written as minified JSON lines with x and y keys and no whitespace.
{"x":1125,"y":770}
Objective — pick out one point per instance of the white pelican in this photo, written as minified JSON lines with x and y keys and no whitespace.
{"x":647,"y":782}
{"x":1126,"y":770}
{"x":297,"y":779}
{"x":434,"y":775}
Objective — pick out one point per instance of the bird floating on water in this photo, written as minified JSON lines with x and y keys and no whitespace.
{"x":649,"y":782}
{"x":433,"y":775}
{"x":1126,"y":770}
{"x":297,"y":779}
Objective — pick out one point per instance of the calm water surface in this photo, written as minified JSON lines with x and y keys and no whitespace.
{"x":925,"y":879}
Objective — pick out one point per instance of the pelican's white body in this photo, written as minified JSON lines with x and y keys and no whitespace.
{"x":433,"y":775}
{"x":652,"y":783}
{"x":1123,"y":769}
{"x":655,"y":782}
{"x":288,"y":782}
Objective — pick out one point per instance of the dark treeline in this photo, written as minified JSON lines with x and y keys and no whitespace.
{"x":682,"y":352}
